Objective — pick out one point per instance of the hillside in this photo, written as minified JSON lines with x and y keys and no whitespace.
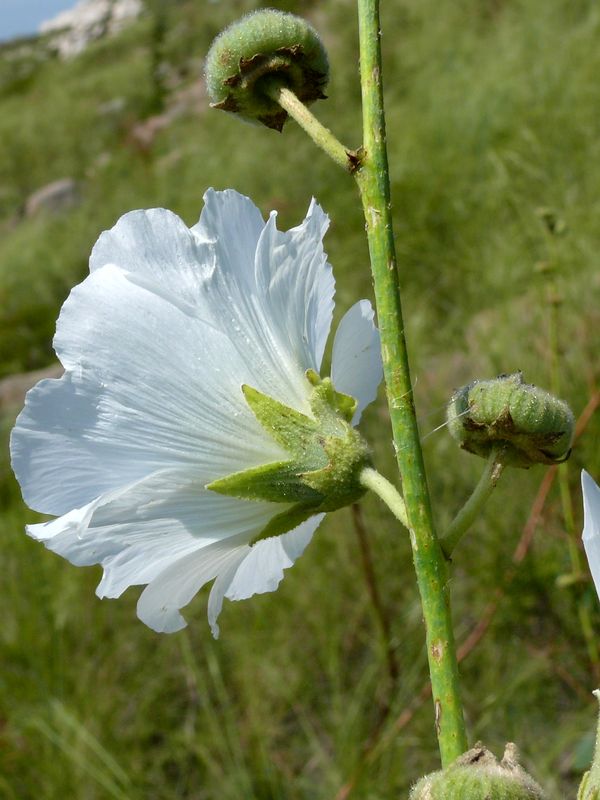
{"x":494,"y":140}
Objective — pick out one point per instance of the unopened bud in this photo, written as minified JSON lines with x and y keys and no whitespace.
{"x":478,"y":775}
{"x":523,"y":424}
{"x":263,"y":47}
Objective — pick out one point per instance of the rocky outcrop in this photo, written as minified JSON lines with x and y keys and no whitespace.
{"x":71,"y":31}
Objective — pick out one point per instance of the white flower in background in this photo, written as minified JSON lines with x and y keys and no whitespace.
{"x":591,"y":525}
{"x":190,"y":360}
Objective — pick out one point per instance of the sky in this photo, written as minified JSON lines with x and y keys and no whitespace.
{"x":22,"y":17}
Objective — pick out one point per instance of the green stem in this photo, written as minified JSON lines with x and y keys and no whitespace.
{"x":370,"y":168}
{"x":472,"y":508}
{"x":386,"y":491}
{"x":321,"y":136}
{"x":372,"y":177}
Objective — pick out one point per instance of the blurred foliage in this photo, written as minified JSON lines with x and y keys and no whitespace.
{"x":492,"y":114}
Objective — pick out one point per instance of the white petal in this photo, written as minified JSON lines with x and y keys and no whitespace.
{"x":262,"y":568}
{"x":277,"y":309}
{"x":270,"y":292}
{"x":220,"y":586}
{"x":159,"y":603}
{"x":591,"y":526}
{"x":293,"y":275}
{"x":356,"y":367}
{"x":135,"y":533}
{"x":234,"y":224}
{"x":147,"y":387}
{"x":158,"y":246}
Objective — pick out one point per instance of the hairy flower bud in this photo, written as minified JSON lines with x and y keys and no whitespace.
{"x":524,"y":424}
{"x":478,"y":775}
{"x":265,"y":46}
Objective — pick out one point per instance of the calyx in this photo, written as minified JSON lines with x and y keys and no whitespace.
{"x":326,"y":456}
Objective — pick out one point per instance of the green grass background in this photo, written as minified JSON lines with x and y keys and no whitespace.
{"x":493,"y":113}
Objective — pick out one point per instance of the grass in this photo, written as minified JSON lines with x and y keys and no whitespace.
{"x":492,"y":114}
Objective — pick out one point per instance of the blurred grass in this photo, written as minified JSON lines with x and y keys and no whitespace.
{"x":492,"y":114}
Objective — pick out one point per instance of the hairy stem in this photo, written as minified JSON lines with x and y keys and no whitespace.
{"x":372,"y":177}
{"x":371,"y":479}
{"x":321,"y":136}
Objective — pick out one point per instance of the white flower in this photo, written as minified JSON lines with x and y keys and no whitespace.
{"x":591,"y":525}
{"x":156,"y":344}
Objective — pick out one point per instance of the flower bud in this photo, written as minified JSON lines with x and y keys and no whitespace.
{"x":478,"y":775}
{"x":265,"y":46}
{"x":524,"y":424}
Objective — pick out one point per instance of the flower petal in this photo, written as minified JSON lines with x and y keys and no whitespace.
{"x":220,"y":586}
{"x":159,"y":603}
{"x":356,"y":367}
{"x":278,"y":308}
{"x":591,"y":526}
{"x":262,"y":568}
{"x":147,"y":387}
{"x":157,"y":245}
{"x":233,"y":224}
{"x":293,"y":275}
{"x":271,"y":292}
{"x":135,"y":533}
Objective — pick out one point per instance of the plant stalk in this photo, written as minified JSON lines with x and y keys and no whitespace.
{"x":386,"y":491}
{"x":472,"y":508}
{"x":321,"y":136}
{"x":372,"y":177}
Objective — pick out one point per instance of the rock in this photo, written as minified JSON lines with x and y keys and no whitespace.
{"x":54,"y":197}
{"x":188,"y":100}
{"x":14,"y":388}
{"x":71,"y":31}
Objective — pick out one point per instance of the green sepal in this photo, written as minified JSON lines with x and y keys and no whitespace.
{"x":278,"y":482}
{"x":291,"y":429}
{"x":286,"y":521}
{"x":327,"y":403}
{"x":327,"y":456}
{"x":340,"y":486}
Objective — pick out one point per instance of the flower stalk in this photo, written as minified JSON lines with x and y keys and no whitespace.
{"x":345,"y":158}
{"x":472,"y":508}
{"x":371,"y":479}
{"x":430,"y":565}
